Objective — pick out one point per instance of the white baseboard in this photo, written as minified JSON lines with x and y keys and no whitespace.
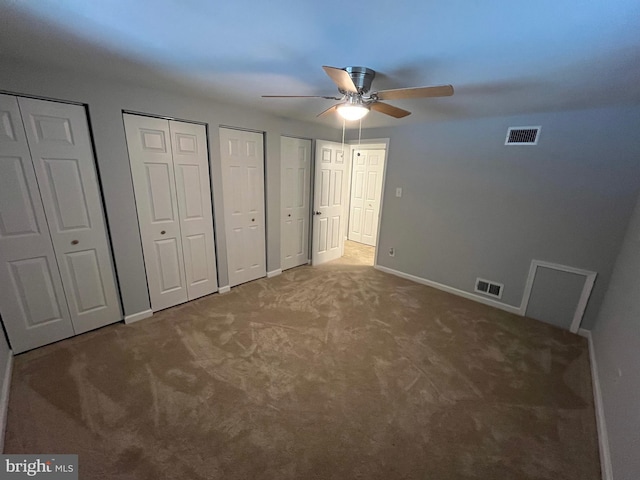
{"x":4,"y":399}
{"x":136,"y":317}
{"x":455,"y":291}
{"x":225,"y":289}
{"x":603,"y":437}
{"x":274,"y":273}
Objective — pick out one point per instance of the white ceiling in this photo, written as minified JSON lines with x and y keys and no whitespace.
{"x":502,"y":57}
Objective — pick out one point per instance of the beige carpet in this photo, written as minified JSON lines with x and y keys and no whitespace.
{"x":335,"y":372}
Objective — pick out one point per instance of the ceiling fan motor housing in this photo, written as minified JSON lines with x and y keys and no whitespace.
{"x":361,"y":77}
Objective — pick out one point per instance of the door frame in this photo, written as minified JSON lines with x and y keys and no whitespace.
{"x":373,"y":144}
{"x":589,"y":280}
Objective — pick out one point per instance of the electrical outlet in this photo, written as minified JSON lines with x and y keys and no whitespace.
{"x":392,"y":252}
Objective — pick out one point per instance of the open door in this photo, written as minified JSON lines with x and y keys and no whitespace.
{"x":329,"y":202}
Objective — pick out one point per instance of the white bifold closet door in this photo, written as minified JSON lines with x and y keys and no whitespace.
{"x":56,"y":268}
{"x":366,"y":195}
{"x":170,"y":170}
{"x":242,"y":155}
{"x":295,"y":168}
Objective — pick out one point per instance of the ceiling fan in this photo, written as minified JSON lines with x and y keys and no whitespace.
{"x":354,"y":84}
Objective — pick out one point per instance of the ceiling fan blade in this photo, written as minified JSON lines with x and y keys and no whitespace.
{"x":417,"y":92}
{"x":341,"y":78}
{"x":389,"y":110}
{"x":328,"y":110}
{"x":301,"y":96}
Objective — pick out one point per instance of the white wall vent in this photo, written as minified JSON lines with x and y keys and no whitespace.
{"x":489,"y":287}
{"x":522,"y":136}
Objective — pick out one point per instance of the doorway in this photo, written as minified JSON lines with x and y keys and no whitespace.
{"x":335,"y":184}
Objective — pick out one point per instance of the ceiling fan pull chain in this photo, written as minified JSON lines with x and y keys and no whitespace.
{"x":359,"y":133}
{"x":344,"y":122}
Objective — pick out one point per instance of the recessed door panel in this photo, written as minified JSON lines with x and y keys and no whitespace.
{"x":356,"y":220}
{"x":323,"y":234}
{"x":87,"y":280}
{"x":372,"y":183}
{"x":160,"y":191}
{"x":153,"y":140}
{"x":243,"y":195}
{"x":197,"y":251}
{"x":69,"y":202}
{"x":17,"y":216}
{"x":300,"y":245}
{"x":325,"y":186}
{"x":32,"y":280}
{"x":338,"y":177}
{"x":168,"y":257}
{"x":62,"y":153}
{"x":190,"y":177}
{"x":367,"y":225}
{"x":7,"y":130}
{"x":49,"y":128}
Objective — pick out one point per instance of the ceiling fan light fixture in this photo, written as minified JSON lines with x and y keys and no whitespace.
{"x":350,"y":111}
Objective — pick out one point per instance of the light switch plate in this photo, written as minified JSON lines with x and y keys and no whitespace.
{"x":398,"y":192}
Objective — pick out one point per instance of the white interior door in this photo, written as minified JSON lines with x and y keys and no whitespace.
{"x":330,"y":197}
{"x":295,"y":167}
{"x":191,"y":167}
{"x":242,"y":155}
{"x":32,"y":298}
{"x":366,"y":193}
{"x":150,"y":154}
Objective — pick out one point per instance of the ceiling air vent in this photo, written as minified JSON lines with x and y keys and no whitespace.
{"x":489,"y":287}
{"x":522,"y":136}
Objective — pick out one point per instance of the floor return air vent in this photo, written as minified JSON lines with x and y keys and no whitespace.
{"x":489,"y":287}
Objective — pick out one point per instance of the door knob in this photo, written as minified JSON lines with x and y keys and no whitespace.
{"x":163,"y":232}
{"x":253,"y":219}
{"x":74,"y":242}
{"x":317,"y":213}
{"x":289,"y":215}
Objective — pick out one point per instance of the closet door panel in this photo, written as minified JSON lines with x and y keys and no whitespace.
{"x":193,"y":188}
{"x":243,"y":192}
{"x":150,"y":154}
{"x":32,"y":298}
{"x":62,"y":154}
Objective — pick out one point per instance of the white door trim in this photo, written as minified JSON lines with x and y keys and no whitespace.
{"x":590,"y":278}
{"x":376,"y":143}
{"x":136,"y":317}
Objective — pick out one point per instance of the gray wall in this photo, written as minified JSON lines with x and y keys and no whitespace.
{"x":106,"y":100}
{"x":473,"y":207}
{"x":616,"y":339}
